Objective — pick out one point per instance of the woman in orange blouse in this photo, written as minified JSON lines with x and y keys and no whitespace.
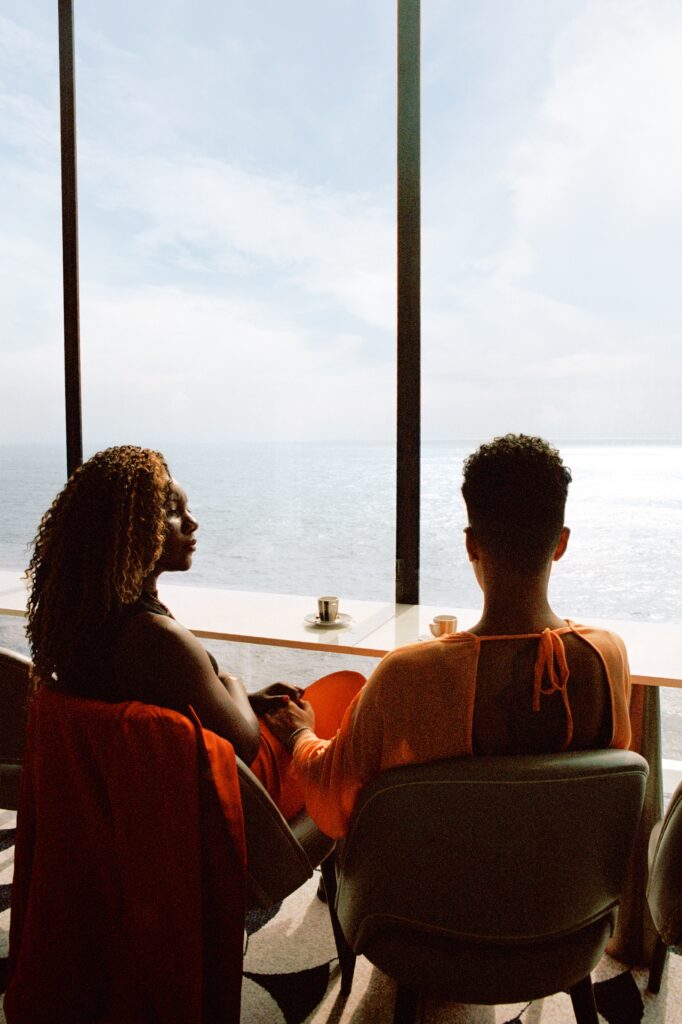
{"x":522,"y":680}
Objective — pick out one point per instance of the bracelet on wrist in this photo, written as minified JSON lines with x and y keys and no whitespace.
{"x":292,"y":739}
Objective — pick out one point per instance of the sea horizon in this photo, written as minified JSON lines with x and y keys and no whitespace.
{"x":319,"y":517}
{"x":316,"y":517}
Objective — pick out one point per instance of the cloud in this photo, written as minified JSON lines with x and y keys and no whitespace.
{"x":595,"y":177}
{"x":245,"y":302}
{"x":197,"y":366}
{"x":568,"y":315}
{"x":26,"y":51}
{"x":233,"y":274}
{"x":218,"y":216}
{"x":584,"y":366}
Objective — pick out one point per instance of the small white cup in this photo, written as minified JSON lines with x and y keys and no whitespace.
{"x":327,"y":608}
{"x":443,"y":624}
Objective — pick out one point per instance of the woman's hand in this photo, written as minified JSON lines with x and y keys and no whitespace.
{"x":274,"y":696}
{"x":290,"y":718}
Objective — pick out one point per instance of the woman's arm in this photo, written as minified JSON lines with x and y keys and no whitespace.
{"x":159,"y":661}
{"x":332,"y":772}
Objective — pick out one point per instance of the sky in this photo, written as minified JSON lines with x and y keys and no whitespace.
{"x":236,"y":168}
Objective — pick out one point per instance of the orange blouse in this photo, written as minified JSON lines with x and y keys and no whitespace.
{"x":418,"y":705}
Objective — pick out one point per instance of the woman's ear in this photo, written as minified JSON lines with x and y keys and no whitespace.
{"x":562,"y":543}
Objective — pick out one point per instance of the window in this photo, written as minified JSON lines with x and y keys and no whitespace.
{"x":31,"y":338}
{"x":236,"y":201}
{"x":551,"y":234}
{"x":237,"y":233}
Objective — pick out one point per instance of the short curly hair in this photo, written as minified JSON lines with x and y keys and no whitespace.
{"x":100,"y":538}
{"x":515,"y":490}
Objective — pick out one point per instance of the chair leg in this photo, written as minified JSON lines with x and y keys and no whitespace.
{"x":657,"y":965}
{"x":328,"y":872}
{"x":345,"y":953}
{"x":584,"y":1006}
{"x":406,"y":1000}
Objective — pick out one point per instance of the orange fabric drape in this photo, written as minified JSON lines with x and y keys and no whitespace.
{"x":129,"y":860}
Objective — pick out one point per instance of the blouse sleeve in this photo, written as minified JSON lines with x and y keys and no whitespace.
{"x":332,"y":772}
{"x":416,"y":706}
{"x":621,"y":695}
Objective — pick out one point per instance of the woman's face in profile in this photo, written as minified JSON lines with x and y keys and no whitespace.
{"x":181,"y":526}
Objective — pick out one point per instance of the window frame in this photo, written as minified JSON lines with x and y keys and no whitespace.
{"x":408,"y":259}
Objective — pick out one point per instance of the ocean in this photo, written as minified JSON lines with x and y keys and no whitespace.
{"x":315,"y":518}
{"x":319,"y":518}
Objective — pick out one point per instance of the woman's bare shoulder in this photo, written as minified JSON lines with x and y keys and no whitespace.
{"x":146,"y":624}
{"x":161,"y":658}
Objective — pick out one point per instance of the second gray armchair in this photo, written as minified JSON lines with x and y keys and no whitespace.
{"x":664,"y":890}
{"x":491,"y":879}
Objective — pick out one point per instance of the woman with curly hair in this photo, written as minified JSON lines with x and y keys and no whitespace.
{"x":97,"y":629}
{"x":522,"y":680}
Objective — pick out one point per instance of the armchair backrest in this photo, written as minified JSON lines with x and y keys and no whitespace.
{"x":514,"y":848}
{"x":14,"y":691}
{"x":664,"y":889}
{"x":279,"y":853}
{"x":276,"y":863}
{"x":129,"y":835}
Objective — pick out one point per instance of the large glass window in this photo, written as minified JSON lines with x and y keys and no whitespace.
{"x":551,"y":303}
{"x":551,"y":240}
{"x":237,"y":218}
{"x":32,"y":451}
{"x":237,"y":227}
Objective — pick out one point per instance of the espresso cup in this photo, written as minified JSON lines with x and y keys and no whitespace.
{"x":327,"y":609}
{"x":443,"y":624}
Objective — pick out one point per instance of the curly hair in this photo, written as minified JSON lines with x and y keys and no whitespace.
{"x":100,"y":538}
{"x":515,"y":490}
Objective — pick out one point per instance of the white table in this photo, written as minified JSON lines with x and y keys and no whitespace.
{"x":654,"y":649}
{"x":274,"y":619}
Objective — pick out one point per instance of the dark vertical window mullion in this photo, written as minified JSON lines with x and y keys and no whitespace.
{"x":72,"y":373}
{"x":409,"y":312}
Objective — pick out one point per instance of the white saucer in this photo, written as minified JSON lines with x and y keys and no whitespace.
{"x":341,"y":620}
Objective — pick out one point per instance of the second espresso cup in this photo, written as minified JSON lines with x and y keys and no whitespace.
{"x":443,"y":624}
{"x":327,"y":608}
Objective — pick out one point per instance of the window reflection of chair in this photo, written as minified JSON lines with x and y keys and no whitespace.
{"x":664,"y":890}
{"x":490,"y":880}
{"x":14,"y":688}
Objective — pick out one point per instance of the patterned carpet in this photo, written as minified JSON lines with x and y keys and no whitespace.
{"x":291,"y":975}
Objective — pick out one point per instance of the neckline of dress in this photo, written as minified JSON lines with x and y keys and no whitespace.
{"x":570,"y":627}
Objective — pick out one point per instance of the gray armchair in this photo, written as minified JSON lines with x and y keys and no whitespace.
{"x":664,"y":890}
{"x":489,"y":880}
{"x":280,"y":854}
{"x":14,"y":691}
